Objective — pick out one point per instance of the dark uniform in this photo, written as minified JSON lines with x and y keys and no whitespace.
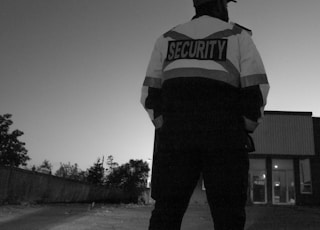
{"x":205,"y":90}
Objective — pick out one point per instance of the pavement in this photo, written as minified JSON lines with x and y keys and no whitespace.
{"x":135,"y":217}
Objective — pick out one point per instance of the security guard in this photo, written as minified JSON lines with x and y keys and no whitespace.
{"x":205,"y":91}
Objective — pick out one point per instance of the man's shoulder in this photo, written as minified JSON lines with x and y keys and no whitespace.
{"x":240,"y":27}
{"x":175,"y":28}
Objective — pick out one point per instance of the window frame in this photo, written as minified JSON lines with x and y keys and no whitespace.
{"x":304,"y":164}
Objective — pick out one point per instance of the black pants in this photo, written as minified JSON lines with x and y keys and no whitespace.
{"x":177,"y":163}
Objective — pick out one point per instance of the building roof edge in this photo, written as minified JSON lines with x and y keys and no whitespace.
{"x":294,"y":113}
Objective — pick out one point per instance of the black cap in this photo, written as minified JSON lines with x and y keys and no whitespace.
{"x":200,"y":2}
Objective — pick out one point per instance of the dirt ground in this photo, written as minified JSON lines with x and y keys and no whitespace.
{"x":133,"y":217}
{"x":9,"y":212}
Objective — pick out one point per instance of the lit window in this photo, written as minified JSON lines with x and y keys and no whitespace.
{"x":305,"y":177}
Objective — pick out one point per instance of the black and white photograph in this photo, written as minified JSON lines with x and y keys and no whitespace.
{"x":159,"y":115}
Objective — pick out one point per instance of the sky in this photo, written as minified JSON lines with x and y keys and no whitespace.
{"x":71,"y":71}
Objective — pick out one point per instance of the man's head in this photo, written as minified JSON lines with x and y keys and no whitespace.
{"x":215,"y":8}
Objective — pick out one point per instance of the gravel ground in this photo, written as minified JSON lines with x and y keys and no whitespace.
{"x":133,"y":217}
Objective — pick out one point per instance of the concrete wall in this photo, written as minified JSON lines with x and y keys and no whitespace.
{"x":18,"y":185}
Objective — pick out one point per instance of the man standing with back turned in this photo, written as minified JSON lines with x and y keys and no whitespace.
{"x":205,"y":91}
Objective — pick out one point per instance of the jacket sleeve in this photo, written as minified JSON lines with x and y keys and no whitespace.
{"x":151,"y":89}
{"x":254,"y":83}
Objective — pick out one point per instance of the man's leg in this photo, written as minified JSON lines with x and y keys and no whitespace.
{"x":172,"y":201}
{"x":175,"y":173}
{"x":168,"y":213}
{"x":226,"y":184}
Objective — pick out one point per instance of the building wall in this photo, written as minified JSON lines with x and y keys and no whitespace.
{"x":316,"y":128}
{"x":314,"y":197}
{"x":285,"y":133}
{"x":292,"y":136}
{"x":289,"y":136}
{"x":315,"y":163}
{"x":315,"y":170}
